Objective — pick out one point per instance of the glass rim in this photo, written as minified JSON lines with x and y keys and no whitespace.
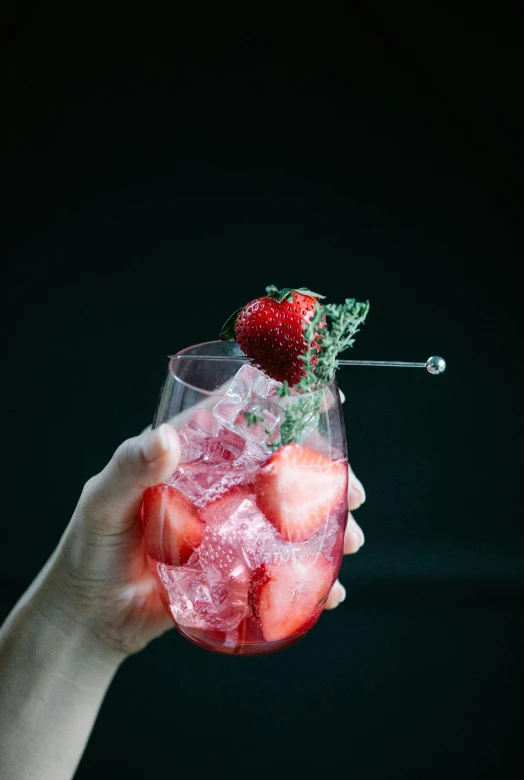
{"x":219,"y":393}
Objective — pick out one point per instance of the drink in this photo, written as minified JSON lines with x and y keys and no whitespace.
{"x":246,"y":538}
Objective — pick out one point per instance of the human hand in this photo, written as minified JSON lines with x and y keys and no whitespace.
{"x":99,"y":574}
{"x":353,"y":537}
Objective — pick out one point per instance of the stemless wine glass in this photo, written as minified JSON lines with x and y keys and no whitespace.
{"x":246,"y":538}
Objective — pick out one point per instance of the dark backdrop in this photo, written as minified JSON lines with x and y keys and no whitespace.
{"x":159,"y":173}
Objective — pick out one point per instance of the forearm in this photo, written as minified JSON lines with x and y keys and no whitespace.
{"x":53,"y":677}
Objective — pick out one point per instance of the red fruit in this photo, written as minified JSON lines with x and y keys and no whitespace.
{"x":287,"y":598}
{"x":172,"y":527}
{"x":298,"y":489}
{"x":270,"y":330}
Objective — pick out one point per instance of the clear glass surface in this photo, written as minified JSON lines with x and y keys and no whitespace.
{"x":245,"y":539}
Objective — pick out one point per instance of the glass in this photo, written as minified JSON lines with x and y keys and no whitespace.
{"x":246,"y":537}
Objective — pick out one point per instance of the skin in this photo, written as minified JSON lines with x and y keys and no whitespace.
{"x":92,"y":606}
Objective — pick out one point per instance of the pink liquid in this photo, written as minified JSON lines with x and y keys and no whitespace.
{"x":213,"y":551}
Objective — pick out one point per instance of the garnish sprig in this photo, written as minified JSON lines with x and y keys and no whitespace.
{"x":330,"y":331}
{"x":314,"y":337}
{"x":343,"y":323}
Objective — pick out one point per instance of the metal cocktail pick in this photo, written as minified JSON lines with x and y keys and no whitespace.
{"x":435,"y":364}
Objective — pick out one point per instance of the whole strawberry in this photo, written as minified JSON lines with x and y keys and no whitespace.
{"x":270,"y":330}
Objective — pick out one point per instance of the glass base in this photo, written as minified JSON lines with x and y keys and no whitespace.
{"x":219,"y":645}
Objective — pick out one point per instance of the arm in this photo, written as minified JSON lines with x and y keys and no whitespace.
{"x":54,"y":677}
{"x":93,"y":604}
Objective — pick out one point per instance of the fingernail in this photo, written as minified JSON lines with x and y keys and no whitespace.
{"x":342,"y":396}
{"x":156,"y":443}
{"x":341,"y":593}
{"x":357,"y":487}
{"x":357,"y":537}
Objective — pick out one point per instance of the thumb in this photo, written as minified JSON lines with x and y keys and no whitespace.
{"x":111,"y":499}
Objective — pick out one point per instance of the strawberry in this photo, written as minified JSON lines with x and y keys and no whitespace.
{"x":298,"y":489}
{"x":172,"y":527}
{"x":287,"y":598}
{"x":270,"y":330}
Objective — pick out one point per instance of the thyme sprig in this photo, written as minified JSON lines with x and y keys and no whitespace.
{"x":330,"y":331}
{"x":343,"y":323}
{"x":254,"y":417}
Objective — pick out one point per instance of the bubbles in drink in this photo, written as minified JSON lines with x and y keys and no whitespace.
{"x":241,"y":567}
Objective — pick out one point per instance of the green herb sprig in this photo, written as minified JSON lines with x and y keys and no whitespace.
{"x":330,"y":331}
{"x":253,"y":418}
{"x":343,"y":323}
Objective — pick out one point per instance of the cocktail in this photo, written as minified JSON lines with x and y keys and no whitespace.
{"x":245,"y":539}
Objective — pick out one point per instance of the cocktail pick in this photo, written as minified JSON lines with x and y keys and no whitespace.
{"x":434,"y":365}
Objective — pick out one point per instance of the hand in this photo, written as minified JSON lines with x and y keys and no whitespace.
{"x":353,"y":538}
{"x":99,"y":574}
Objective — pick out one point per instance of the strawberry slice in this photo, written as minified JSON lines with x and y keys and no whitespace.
{"x":287,"y":598}
{"x":298,"y":489}
{"x":172,"y":527}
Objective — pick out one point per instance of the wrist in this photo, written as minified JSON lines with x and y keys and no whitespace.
{"x":64,"y":625}
{"x":54,"y":676}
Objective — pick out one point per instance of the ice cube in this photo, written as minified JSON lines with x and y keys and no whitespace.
{"x":204,"y":439}
{"x":194,"y":434}
{"x":254,"y":455}
{"x":204,"y":483}
{"x":255,"y":536}
{"x":251,"y":391}
{"x":211,"y":591}
{"x":238,"y":533}
{"x":209,"y":453}
{"x":249,"y":380}
{"x":203,"y":597}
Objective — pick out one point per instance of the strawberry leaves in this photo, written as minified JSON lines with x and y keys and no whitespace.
{"x":228,"y":328}
{"x":287,"y":293}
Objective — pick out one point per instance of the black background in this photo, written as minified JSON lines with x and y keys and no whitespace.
{"x":159,"y":173}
